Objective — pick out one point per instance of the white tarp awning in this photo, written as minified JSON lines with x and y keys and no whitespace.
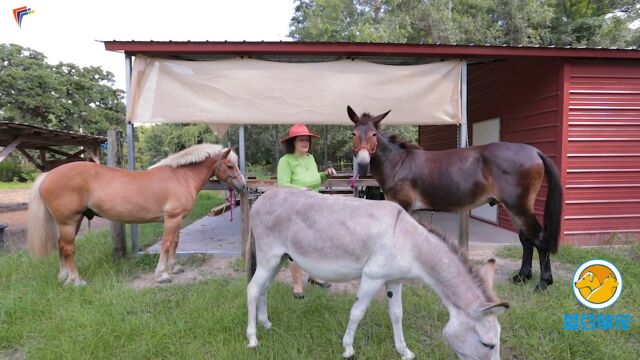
{"x":248,"y":91}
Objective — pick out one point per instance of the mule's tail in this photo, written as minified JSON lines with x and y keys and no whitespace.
{"x":553,"y":204}
{"x":251,"y":256}
{"x":42,"y":231}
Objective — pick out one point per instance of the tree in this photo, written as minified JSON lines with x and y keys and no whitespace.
{"x":62,"y":96}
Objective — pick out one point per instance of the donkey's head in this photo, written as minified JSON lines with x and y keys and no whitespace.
{"x":226,"y":169}
{"x":365,"y":137}
{"x":475,"y":333}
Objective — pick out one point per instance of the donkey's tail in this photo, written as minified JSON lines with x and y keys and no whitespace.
{"x":42,"y":231}
{"x":251,"y":256}
{"x":553,"y":204}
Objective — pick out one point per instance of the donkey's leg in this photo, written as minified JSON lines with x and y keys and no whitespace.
{"x":394,"y":294}
{"x":256,"y":289}
{"x":263,"y":316}
{"x":366,"y":292}
{"x":171,"y":229}
{"x":527,"y":258}
{"x":67,"y":249}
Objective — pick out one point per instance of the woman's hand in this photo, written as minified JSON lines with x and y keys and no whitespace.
{"x":330,"y":172}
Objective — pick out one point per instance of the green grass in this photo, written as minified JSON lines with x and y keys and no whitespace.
{"x":108,"y":320}
{"x":14,"y":185}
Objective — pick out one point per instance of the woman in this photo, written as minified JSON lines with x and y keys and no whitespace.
{"x":298,"y":169}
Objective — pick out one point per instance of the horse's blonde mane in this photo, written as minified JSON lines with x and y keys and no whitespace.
{"x":194,"y":154}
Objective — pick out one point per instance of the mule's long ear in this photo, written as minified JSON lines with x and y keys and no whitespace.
{"x":352,"y":115}
{"x":487,"y":272}
{"x":376,"y":120}
{"x":495,"y":309}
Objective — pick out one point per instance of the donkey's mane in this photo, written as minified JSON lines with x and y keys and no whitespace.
{"x":397,"y":140}
{"x":194,"y":154}
{"x":488,"y":293}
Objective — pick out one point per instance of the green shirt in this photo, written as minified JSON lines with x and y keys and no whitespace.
{"x":300,"y":172}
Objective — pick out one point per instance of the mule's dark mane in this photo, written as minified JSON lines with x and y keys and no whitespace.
{"x":488,"y":293}
{"x":397,"y":140}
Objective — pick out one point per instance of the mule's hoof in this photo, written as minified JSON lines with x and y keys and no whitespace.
{"x":518,"y":278}
{"x":177,"y":269}
{"x":164,"y":278}
{"x":542,"y":286}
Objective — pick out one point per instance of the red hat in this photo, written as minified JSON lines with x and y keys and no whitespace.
{"x":298,"y":130}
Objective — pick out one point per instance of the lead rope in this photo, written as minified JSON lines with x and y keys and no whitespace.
{"x":352,"y":180}
{"x":231,"y":200}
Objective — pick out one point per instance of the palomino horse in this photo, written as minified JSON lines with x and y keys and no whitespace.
{"x":345,"y":238}
{"x":462,"y":179}
{"x":166,"y":192}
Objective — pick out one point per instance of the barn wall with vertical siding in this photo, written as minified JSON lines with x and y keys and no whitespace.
{"x":603,"y":151}
{"x":526,"y":96}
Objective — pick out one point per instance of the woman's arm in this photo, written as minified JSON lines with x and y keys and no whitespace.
{"x":284,"y":173}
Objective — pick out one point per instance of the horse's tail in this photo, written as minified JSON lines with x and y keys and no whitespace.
{"x":251,"y":255}
{"x":553,"y":204}
{"x":42,"y":231}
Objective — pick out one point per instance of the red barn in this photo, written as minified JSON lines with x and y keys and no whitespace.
{"x":580,"y":106}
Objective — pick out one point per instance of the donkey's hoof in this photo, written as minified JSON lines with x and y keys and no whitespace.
{"x":408,"y":355}
{"x":177,"y":270}
{"x":519,"y":278}
{"x":349,"y":353}
{"x":164,"y":278}
{"x":266,"y":324}
{"x":253,"y":343}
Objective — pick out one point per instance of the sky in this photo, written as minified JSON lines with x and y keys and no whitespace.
{"x":67,"y":30}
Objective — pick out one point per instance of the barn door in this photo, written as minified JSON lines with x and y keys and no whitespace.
{"x":485,"y":132}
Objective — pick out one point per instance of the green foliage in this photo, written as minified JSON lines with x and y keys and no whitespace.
{"x":62,"y":96}
{"x":12,"y":171}
{"x":511,"y":22}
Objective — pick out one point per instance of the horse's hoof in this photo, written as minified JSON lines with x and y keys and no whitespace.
{"x":177,"y":270}
{"x":518,"y":278}
{"x":164,"y":279}
{"x":80,"y":283}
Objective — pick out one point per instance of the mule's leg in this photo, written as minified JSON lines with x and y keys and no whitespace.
{"x":366,"y":292}
{"x":394,"y":294}
{"x":534,"y":232}
{"x":546,"y":278}
{"x":527,"y":258}
{"x":171,"y":229}
{"x":173,"y":266}
{"x":67,"y":249}
{"x":256,"y":289}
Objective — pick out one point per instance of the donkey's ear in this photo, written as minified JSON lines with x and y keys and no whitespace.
{"x":495,"y":309}
{"x":376,"y":120}
{"x":487,"y":272}
{"x":352,"y":115}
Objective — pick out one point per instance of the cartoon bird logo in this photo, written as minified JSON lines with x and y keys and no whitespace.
{"x":597,"y":284}
{"x":21,"y":12}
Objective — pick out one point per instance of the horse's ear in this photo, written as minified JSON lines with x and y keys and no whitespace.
{"x":226,"y":153}
{"x":352,"y":115}
{"x":495,"y":309}
{"x":487,"y":272}
{"x":376,"y":120}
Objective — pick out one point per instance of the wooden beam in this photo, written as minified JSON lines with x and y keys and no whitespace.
{"x":31,"y":159}
{"x":63,"y":153}
{"x":8,"y":149}
{"x":114,"y":158}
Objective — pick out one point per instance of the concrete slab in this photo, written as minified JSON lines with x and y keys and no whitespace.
{"x":219,"y":236}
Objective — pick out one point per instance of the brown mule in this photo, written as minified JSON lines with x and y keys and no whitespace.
{"x":164,"y":193}
{"x":463,"y":179}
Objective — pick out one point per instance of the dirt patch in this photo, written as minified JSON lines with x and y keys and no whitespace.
{"x":207,"y":267}
{"x":11,"y":355}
